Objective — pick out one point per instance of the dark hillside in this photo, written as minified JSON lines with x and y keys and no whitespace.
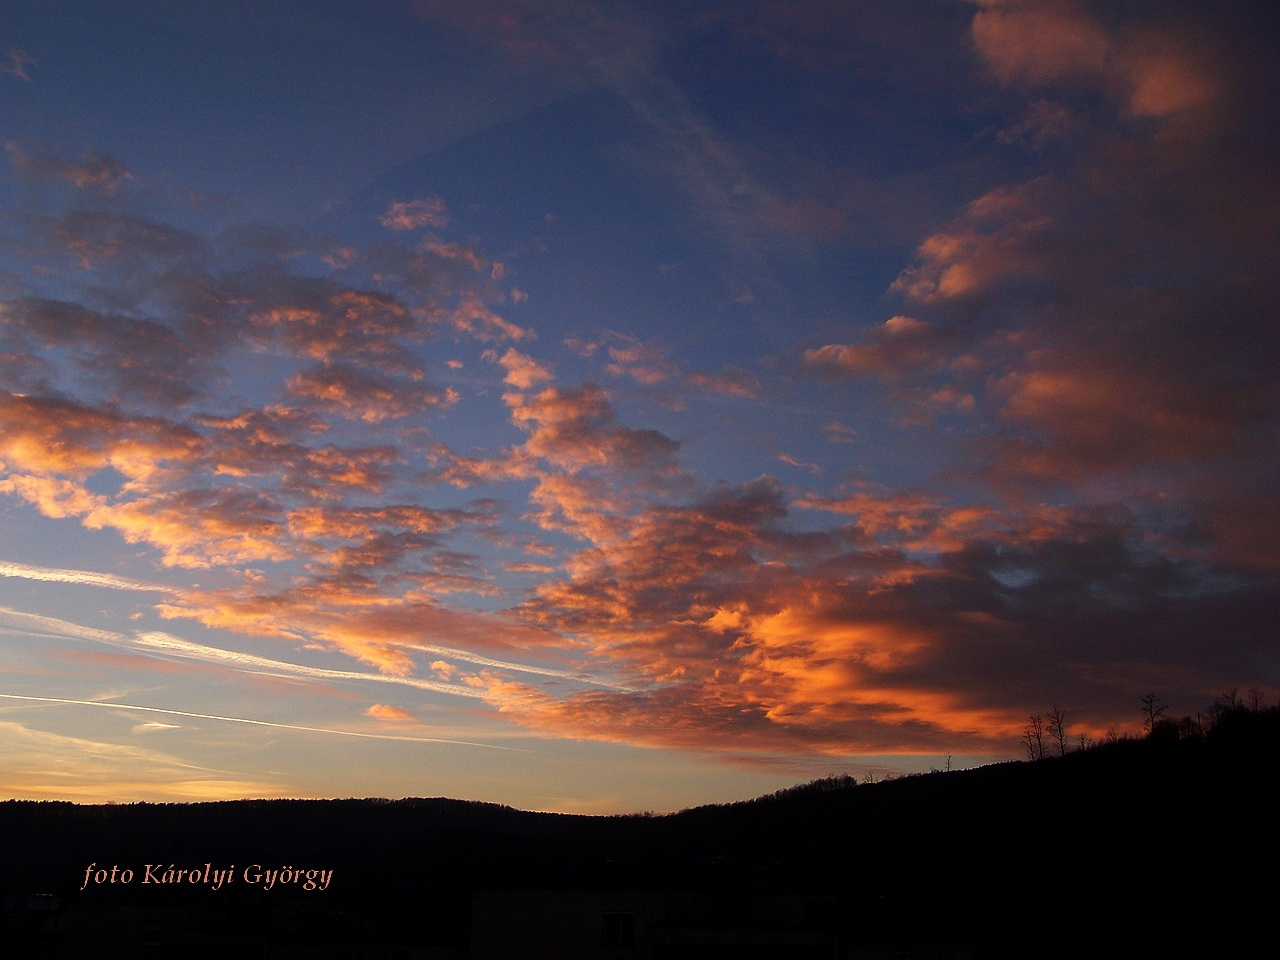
{"x":1148,"y":844}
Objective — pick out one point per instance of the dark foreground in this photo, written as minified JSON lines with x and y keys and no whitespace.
{"x":1161,"y":847}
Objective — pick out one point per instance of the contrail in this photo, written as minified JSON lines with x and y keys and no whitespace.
{"x":164,"y":643}
{"x":89,"y":578}
{"x":507,"y":665}
{"x":85,"y":577}
{"x":257,"y":723}
{"x":36,"y":625}
{"x":159,"y":643}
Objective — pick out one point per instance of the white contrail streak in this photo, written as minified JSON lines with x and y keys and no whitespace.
{"x":36,"y":625}
{"x":256,"y":723}
{"x":89,"y":578}
{"x":85,"y":577}
{"x":506,"y":665}
{"x":167,"y":644}
{"x":162,"y":644}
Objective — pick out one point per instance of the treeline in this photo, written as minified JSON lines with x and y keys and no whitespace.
{"x":1047,"y":736}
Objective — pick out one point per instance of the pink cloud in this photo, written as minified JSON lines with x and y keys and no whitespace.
{"x":729,"y":382}
{"x":473,"y":317}
{"x":997,"y":239}
{"x":577,"y":428}
{"x":19,"y":60}
{"x":415,"y":214}
{"x":645,"y":363}
{"x":363,"y":396}
{"x":1152,"y":69}
{"x":96,"y":172}
{"x":899,"y":346}
{"x":523,"y":372}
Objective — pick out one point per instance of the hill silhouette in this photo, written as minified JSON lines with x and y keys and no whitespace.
{"x":1149,"y":845}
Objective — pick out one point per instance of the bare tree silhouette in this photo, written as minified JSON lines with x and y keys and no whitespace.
{"x":1257,"y":699}
{"x":1033,"y":738}
{"x":1154,"y":708}
{"x":1058,"y":728}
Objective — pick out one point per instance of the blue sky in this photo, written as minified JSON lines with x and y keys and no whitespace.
{"x":610,"y":407}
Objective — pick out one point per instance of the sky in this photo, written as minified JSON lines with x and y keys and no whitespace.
{"x":604,"y":407}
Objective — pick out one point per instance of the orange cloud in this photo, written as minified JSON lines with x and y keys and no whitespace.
{"x":314,"y":319}
{"x":258,"y":445}
{"x":348,"y":541}
{"x":737,"y":719}
{"x":40,"y":435}
{"x":348,"y":522}
{"x":54,"y":498}
{"x":362,"y":396}
{"x":199,"y":528}
{"x":742,"y":636}
{"x":387,"y":714}
{"x":50,"y":449}
{"x":587,"y":507}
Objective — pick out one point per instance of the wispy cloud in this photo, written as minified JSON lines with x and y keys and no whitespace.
{"x":42,"y":626}
{"x":169,"y":645}
{"x":41,"y":765}
{"x":85,"y":577}
{"x":158,"y":643}
{"x":730,"y":382}
{"x":111,"y":704}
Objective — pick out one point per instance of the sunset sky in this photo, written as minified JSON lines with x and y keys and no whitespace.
{"x":602,"y":407}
